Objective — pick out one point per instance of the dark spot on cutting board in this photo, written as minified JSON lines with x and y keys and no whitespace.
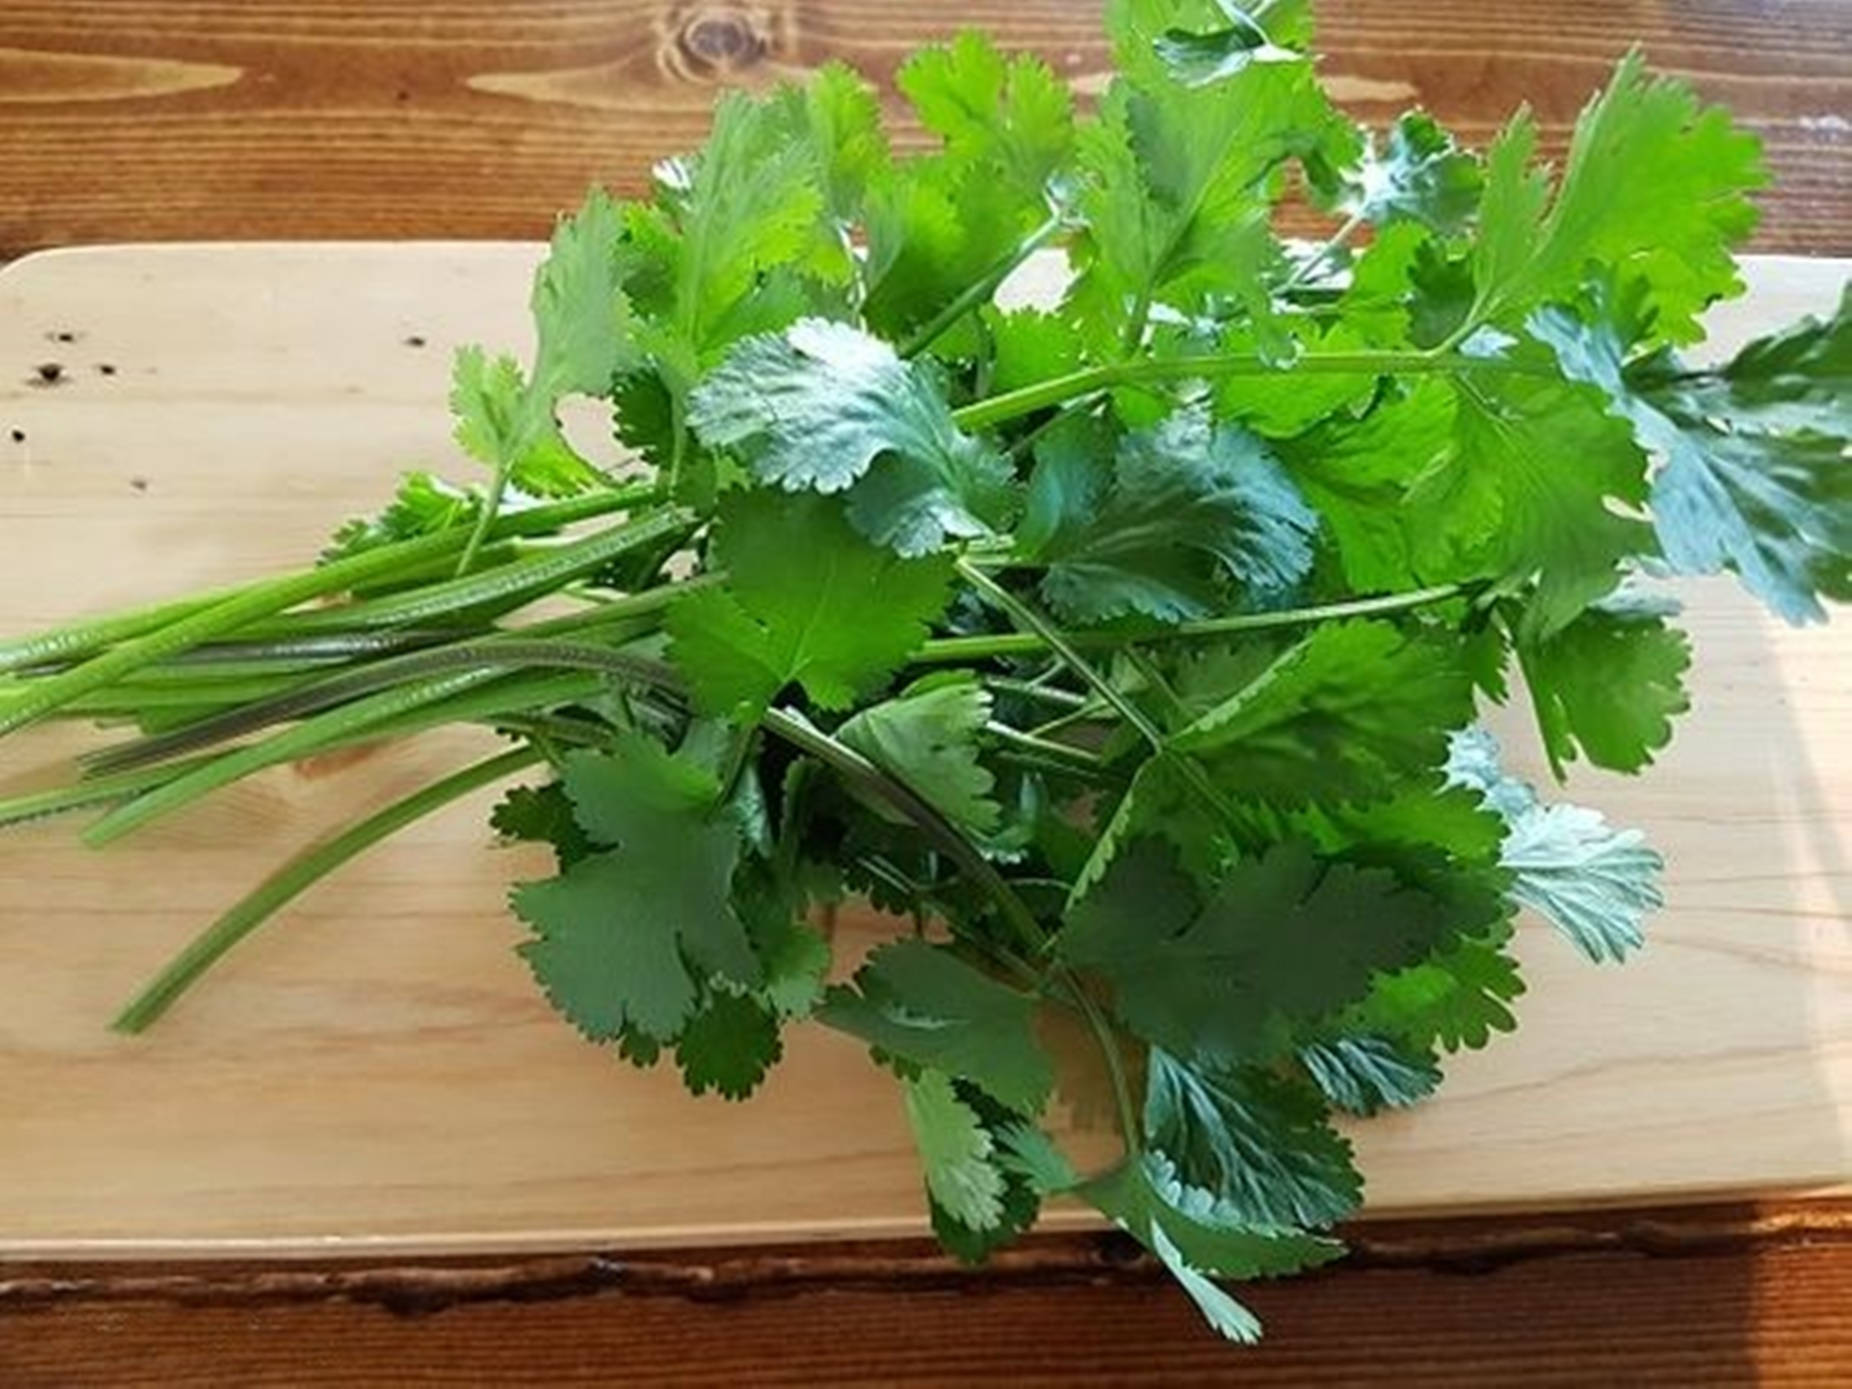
{"x":140,"y":484}
{"x":19,"y":436}
{"x":62,"y":335}
{"x":106,"y":368}
{"x":415,"y":340}
{"x":46,"y":374}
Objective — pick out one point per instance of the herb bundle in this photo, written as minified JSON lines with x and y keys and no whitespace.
{"x":1127,"y":650}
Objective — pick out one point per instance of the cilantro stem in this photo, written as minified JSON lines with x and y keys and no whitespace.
{"x":38,"y":805}
{"x":1073,"y":758}
{"x":1026,"y":400}
{"x":300,"y":874}
{"x":1029,"y":689}
{"x":977,"y":648}
{"x":981,"y":289}
{"x":1025,"y":615}
{"x":258,"y":600}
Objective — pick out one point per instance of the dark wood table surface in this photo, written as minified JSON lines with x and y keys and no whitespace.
{"x":204,"y":119}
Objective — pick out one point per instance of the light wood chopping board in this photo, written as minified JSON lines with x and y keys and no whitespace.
{"x":376,"y":1070}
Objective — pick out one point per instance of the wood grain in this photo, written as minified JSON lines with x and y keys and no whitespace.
{"x":377,"y":1071}
{"x":1688,"y":1298}
{"x":183,"y":119}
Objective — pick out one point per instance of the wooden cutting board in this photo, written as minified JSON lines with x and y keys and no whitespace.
{"x":376,"y":1070}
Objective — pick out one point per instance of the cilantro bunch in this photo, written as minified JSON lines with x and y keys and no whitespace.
{"x":1125,"y":649}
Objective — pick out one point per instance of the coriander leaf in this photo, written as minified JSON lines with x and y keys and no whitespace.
{"x":1592,"y":882}
{"x":1368,"y":1074}
{"x":1285,"y":938}
{"x":1455,"y":999}
{"x":1177,"y":200}
{"x":1259,"y":1144}
{"x":1533,"y":481}
{"x":939,"y":223}
{"x":1192,"y":504}
{"x":956,"y":1151}
{"x":1666,"y":225}
{"x":728,"y":1046}
{"x":1012,"y":114}
{"x":616,"y":934}
{"x":1422,"y":176}
{"x":606,"y":788}
{"x":503,"y":422}
{"x":422,"y":505}
{"x":844,"y":119}
{"x":1028,"y":1152}
{"x":924,"y":1004}
{"x":1357,"y":474}
{"x":839,"y":623}
{"x":927,"y":736}
{"x":1028,"y":345}
{"x":1752,"y":473}
{"x":1607,"y":686}
{"x":1145,"y":1198}
{"x":1340,"y":716}
{"x":1198,"y":57}
{"x":584,"y":322}
{"x":816,"y":407}
{"x":542,"y":815}
{"x":794,"y":955}
{"x":1021,"y":1199}
{"x":728,"y":221}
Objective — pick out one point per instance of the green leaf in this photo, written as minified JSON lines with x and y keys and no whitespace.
{"x":1456,"y":999}
{"x":618,"y":935}
{"x":922,"y":1003}
{"x":1028,"y":1152}
{"x":728,"y":1046}
{"x":1259,"y":1144}
{"x":1286,"y":938}
{"x":1753,"y":473}
{"x":1594,"y":883}
{"x":1535,"y":484}
{"x":1192,"y":506}
{"x":1366,"y":1075}
{"x":1667,"y":224}
{"x":839,"y":624}
{"x":956,"y":1151}
{"x":844,"y":117}
{"x":927,"y":736}
{"x":542,"y":815}
{"x":1357,"y":474}
{"x":1196,"y":1244}
{"x":732,"y":225}
{"x":941,"y":222}
{"x":816,"y":407}
{"x":422,"y":505}
{"x":1178,"y":199}
{"x":1029,"y":345}
{"x":1340,"y":716}
{"x":1421,"y":176}
{"x":1606,"y":686}
{"x":585,"y":326}
{"x":502,"y":422}
{"x":1198,"y":57}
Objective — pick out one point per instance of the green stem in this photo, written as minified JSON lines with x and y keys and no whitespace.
{"x":38,"y":805}
{"x":258,"y":600}
{"x":1075,"y":759}
{"x":1029,"y":689}
{"x":1024,"y":615}
{"x":300,"y":874}
{"x":491,"y":508}
{"x":1026,"y":400}
{"x":981,"y":289}
{"x":978,"y":648}
{"x":1352,"y":225}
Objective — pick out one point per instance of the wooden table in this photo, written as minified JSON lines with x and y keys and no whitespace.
{"x":140,"y":120}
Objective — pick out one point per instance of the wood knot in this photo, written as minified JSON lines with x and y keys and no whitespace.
{"x":713,"y":43}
